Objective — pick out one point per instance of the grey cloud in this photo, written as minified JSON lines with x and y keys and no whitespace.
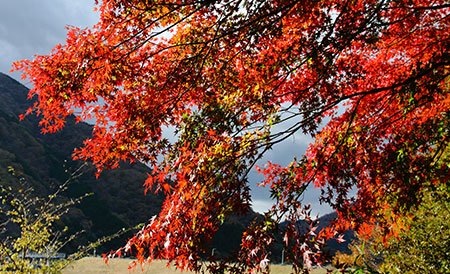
{"x":34,"y":27}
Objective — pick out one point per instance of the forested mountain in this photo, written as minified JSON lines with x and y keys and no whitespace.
{"x":118,"y":200}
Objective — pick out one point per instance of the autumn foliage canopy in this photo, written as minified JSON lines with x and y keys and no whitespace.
{"x":367,"y":79}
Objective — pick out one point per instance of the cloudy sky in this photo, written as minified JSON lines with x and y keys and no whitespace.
{"x":34,"y":27}
{"x":30,"y":27}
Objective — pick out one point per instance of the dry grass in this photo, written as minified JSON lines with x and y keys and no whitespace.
{"x":92,"y":265}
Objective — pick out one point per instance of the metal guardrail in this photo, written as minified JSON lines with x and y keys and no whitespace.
{"x":53,"y":256}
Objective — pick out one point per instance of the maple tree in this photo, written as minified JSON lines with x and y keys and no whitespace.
{"x":368,"y":79}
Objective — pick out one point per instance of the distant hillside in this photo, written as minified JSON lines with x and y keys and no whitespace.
{"x":118,"y":199}
{"x":333,"y":245}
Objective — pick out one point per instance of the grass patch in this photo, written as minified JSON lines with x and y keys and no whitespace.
{"x":90,"y":265}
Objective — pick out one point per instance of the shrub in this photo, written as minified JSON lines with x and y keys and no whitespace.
{"x":425,"y":246}
{"x":29,"y":236}
{"x":362,"y":258}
